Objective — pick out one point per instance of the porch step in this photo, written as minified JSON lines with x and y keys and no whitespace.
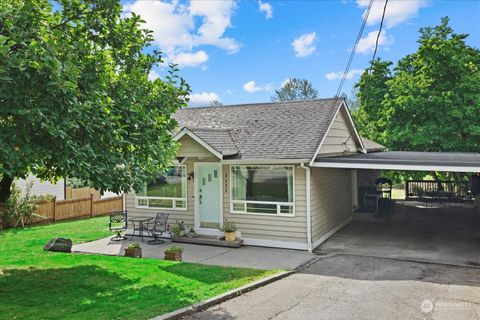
{"x":210,"y":241}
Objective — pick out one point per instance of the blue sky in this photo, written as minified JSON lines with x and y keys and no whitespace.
{"x":241,"y":51}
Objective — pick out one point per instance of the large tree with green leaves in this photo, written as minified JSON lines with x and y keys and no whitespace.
{"x":431,"y":102}
{"x":372,"y":88}
{"x":295,"y":89}
{"x":75,"y":98}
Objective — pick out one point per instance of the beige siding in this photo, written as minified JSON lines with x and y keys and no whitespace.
{"x":331,"y":200}
{"x":340,"y":138}
{"x":289,"y":229}
{"x":191,"y":148}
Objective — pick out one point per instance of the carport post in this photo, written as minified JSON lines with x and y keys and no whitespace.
{"x":308,"y":207}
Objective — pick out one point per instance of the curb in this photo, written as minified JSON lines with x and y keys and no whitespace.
{"x":205,"y":304}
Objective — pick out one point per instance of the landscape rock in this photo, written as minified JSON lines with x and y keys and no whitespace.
{"x":59,"y":245}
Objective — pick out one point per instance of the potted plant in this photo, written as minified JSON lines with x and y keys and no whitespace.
{"x":191,"y":233}
{"x":179,"y":229}
{"x":173,"y":253}
{"x":133,"y":250}
{"x":229,"y":229}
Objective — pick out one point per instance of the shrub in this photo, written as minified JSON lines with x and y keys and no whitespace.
{"x":134,"y":245}
{"x":228,"y":226}
{"x":174,"y":249}
{"x":19,"y":209}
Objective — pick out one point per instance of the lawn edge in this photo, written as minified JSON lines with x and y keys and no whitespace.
{"x":205,"y":304}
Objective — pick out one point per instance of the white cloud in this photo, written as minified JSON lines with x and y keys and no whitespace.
{"x":187,"y":59}
{"x":153,"y":75}
{"x":178,"y":27}
{"x":304,"y":45}
{"x":202,"y":99}
{"x":366,"y":44}
{"x":252,"y":87}
{"x":338,"y":75}
{"x":397,"y":11}
{"x":266,"y":8}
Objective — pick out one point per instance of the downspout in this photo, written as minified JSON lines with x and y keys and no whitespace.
{"x":309,"y":213}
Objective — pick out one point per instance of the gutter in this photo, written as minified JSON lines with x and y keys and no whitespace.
{"x":308,"y":206}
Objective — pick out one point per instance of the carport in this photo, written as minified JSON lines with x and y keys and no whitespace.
{"x":443,"y":233}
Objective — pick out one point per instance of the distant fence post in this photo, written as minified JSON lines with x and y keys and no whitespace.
{"x":91,"y":205}
{"x":407,"y":191}
{"x":55,"y":208}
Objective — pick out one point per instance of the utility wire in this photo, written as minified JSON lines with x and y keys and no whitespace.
{"x":376,"y":46}
{"x":352,"y":54}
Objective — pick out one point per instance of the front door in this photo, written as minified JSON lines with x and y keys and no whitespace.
{"x":208,"y":183}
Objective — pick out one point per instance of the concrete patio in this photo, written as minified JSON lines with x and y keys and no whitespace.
{"x":244,"y":257}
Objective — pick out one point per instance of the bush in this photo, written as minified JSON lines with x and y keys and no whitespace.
{"x":174,"y":249}
{"x":228,"y":226}
{"x":19,"y":209}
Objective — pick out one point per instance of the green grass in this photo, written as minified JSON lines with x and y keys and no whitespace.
{"x":46,"y":285}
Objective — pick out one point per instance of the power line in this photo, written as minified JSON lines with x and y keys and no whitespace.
{"x":376,"y":45}
{"x":352,"y":54}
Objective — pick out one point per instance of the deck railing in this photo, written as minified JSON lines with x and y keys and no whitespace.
{"x":455,"y":190}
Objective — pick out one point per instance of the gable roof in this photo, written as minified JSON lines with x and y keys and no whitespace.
{"x":281,"y":130}
{"x":372,"y":146}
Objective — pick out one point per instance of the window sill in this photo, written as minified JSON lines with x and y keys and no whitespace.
{"x":263,"y":214}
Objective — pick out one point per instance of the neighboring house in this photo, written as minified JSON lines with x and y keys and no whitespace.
{"x":287,"y":174}
{"x":42,"y":188}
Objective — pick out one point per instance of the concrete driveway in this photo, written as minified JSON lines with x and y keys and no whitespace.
{"x":448,"y":235}
{"x":355,"y":287}
{"x":243,"y":257}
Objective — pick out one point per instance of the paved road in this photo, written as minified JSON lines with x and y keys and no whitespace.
{"x":358,"y":287}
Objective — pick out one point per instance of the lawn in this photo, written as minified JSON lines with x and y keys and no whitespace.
{"x":46,"y":285}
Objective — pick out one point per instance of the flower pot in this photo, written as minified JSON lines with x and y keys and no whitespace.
{"x":181,"y":233}
{"x":173,"y":256}
{"x":229,"y":236}
{"x":133,"y":252}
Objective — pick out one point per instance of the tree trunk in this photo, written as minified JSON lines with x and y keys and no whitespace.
{"x":5,"y":191}
{"x":439,"y":184}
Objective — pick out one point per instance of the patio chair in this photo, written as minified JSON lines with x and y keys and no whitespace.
{"x":118,"y":223}
{"x":157,"y":228}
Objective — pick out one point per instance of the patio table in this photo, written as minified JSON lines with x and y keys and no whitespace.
{"x":139,"y":225}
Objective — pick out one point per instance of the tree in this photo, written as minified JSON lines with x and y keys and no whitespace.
{"x":372,"y":88}
{"x":433,"y":99}
{"x":75,"y":98}
{"x":295,"y":89}
{"x":216,"y":103}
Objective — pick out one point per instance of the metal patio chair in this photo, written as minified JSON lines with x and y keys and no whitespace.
{"x":157,"y":228}
{"x":118,"y":224}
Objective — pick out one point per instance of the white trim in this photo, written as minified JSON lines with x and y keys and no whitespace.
{"x":274,"y":243}
{"x":279,"y":204}
{"x":200,"y":141}
{"x":331,"y":232}
{"x":196,"y":206}
{"x":309,"y":210}
{"x":342,"y":105}
{"x":265,"y":161}
{"x":209,"y":232}
{"x":406,"y":167}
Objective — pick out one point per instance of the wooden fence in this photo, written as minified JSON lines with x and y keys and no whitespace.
{"x":76,"y":193}
{"x":51,"y":211}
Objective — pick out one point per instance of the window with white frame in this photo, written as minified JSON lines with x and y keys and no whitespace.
{"x":168,"y":191}
{"x":262,"y":190}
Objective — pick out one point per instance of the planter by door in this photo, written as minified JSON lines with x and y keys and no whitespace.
{"x":229,"y":236}
{"x":208,"y":182}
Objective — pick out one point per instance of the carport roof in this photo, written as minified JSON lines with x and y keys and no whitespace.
{"x":405,"y":160}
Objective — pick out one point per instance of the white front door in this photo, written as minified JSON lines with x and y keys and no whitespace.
{"x":208,"y":182}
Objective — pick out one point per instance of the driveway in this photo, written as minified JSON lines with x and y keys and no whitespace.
{"x":447,"y":235}
{"x":355,"y":287}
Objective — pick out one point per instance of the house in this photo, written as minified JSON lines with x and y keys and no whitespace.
{"x":286,"y":174}
{"x":250,"y":164}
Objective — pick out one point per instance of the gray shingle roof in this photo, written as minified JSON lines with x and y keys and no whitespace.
{"x":372,"y":146}
{"x":219,"y":139}
{"x":284,"y":130}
